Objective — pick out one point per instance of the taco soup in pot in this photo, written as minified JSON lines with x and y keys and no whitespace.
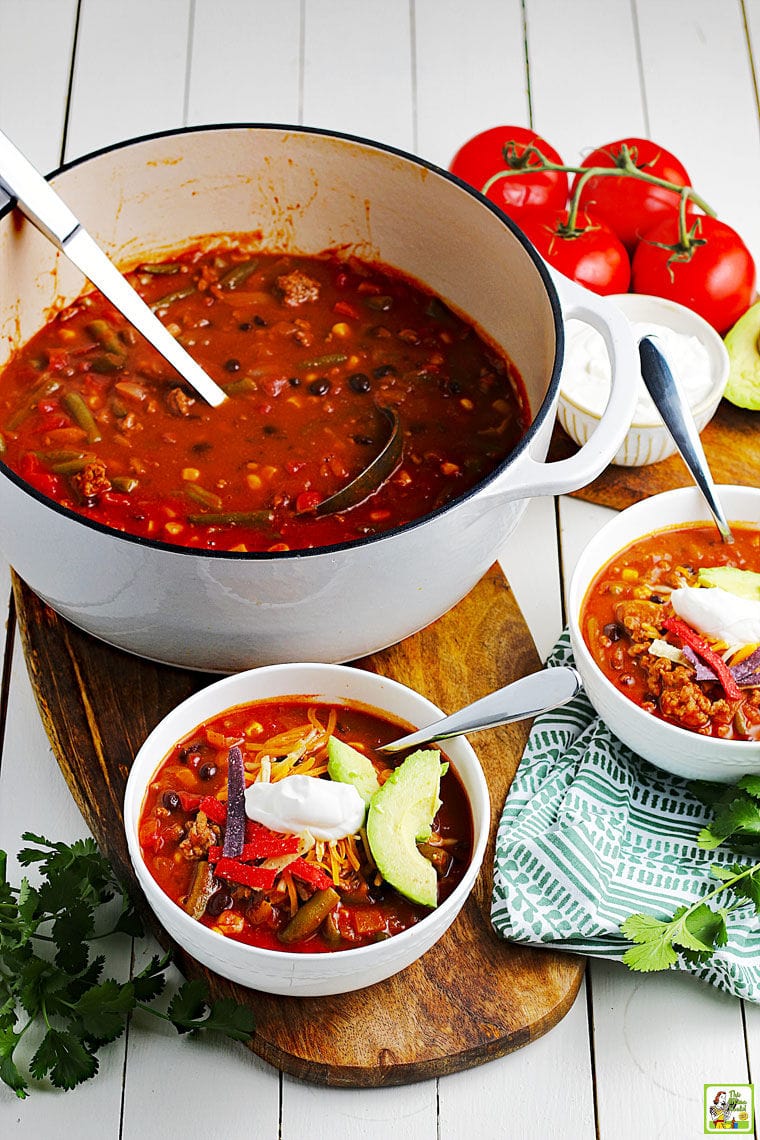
{"x":384,"y":334}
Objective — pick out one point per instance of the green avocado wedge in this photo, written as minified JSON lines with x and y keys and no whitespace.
{"x":743,"y":387}
{"x":743,"y":583}
{"x":349,"y":766}
{"x":400,"y":813}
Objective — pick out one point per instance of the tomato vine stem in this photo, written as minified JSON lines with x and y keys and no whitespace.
{"x":624,"y":167}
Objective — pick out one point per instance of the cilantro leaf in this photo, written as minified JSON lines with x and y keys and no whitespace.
{"x":741,"y":815}
{"x":653,"y":945}
{"x":751,"y":785}
{"x":62,"y":1055}
{"x":102,"y":1010}
{"x":66,"y":996}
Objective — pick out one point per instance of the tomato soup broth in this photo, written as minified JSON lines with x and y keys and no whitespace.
{"x":637,"y":621}
{"x":182,"y":828}
{"x":317,"y":355}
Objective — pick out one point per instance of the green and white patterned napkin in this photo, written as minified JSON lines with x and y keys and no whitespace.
{"x":591,"y":833}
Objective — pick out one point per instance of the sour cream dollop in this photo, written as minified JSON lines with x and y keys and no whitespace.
{"x":586,"y":377}
{"x":718,"y":613}
{"x":326,"y":808}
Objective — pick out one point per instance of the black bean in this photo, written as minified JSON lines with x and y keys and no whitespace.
{"x":219,"y":901}
{"x":294,"y":381}
{"x":190,"y":750}
{"x":171,"y":801}
{"x":359,"y":382}
{"x":614,"y":631}
{"x":270,"y":429}
{"x":259,"y":322}
{"x":232,"y":365}
{"x":656,"y":598}
{"x":245,"y":326}
{"x":363,"y":440}
{"x":384,"y":370}
{"x":207,"y":771}
{"x":320,"y":387}
{"x":452,"y":387}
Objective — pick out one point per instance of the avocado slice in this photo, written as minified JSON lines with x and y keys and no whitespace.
{"x":401,"y":812}
{"x":743,"y":387}
{"x":743,"y":583}
{"x":349,"y":766}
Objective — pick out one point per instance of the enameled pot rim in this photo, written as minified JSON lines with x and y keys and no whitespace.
{"x":552,"y":392}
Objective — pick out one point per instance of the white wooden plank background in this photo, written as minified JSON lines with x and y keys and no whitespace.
{"x":630,"y":1058}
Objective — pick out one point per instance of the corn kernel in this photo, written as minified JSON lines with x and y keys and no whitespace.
{"x":341,"y":329}
{"x":629,"y":574}
{"x":253,"y":481}
{"x":173,"y":528}
{"x":467,"y":404}
{"x":448,"y":468}
{"x":191,"y":474}
{"x":241,"y":548}
{"x":268,"y":472}
{"x":403,"y":478}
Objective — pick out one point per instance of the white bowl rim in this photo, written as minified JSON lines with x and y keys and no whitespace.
{"x":133,"y":800}
{"x":718,"y":384}
{"x":713,"y":743}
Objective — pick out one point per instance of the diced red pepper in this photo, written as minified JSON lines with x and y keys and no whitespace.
{"x":310,"y":873}
{"x":189,"y":800}
{"x":344,"y":309}
{"x":253,"y":851}
{"x":214,"y":809}
{"x":368,"y":920}
{"x":307,"y":501}
{"x":260,"y":878}
{"x":267,"y":842}
{"x":703,"y":650}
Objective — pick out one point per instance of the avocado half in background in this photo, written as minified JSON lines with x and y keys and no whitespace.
{"x":743,"y":387}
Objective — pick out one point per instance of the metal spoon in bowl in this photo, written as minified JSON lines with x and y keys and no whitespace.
{"x":527,"y":697}
{"x":675,"y":411}
{"x":52,"y":217}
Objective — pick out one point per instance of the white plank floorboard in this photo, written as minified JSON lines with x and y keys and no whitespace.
{"x":130,"y":71}
{"x":36,"y":43}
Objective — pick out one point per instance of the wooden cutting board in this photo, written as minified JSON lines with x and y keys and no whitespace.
{"x":732,"y":445}
{"x":469,"y":999}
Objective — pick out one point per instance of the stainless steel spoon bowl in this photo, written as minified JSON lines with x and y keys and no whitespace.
{"x":527,"y":697}
{"x":676,"y":413}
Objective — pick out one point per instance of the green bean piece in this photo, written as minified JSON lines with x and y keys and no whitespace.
{"x":380,"y":303}
{"x":70,"y":466}
{"x":310,"y":916}
{"x":241,"y":386}
{"x":125,"y":483}
{"x":177,"y":295}
{"x":118,"y":407}
{"x":325,"y":361}
{"x":235,"y":276}
{"x":107,"y":363}
{"x":232,"y":518}
{"x":106,"y":336}
{"x":202,"y":496}
{"x":44,"y":387}
{"x":160,"y":268}
{"x":82,"y":416}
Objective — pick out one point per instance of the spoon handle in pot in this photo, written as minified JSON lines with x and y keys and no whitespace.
{"x":524,"y":698}
{"x":40,"y":203}
{"x":676,"y":413}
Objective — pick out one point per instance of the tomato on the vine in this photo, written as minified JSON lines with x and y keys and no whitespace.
{"x":629,"y":206}
{"x":483,"y":156}
{"x":590,"y":254}
{"x":714,"y":276}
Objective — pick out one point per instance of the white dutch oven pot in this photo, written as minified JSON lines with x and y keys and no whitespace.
{"x":304,"y":191}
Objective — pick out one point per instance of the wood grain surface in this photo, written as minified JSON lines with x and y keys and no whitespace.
{"x":732,"y":445}
{"x":472,"y":997}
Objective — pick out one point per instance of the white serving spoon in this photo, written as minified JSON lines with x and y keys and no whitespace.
{"x":52,"y":217}
{"x":526,"y":697}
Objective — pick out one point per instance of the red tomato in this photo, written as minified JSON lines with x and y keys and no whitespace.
{"x":716,"y":278}
{"x":595,"y":257}
{"x":628,"y":205}
{"x":483,"y":155}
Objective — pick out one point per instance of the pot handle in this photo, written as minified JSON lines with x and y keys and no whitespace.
{"x":527,"y":476}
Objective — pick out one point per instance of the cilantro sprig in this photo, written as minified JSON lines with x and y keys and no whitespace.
{"x":694,"y":932}
{"x":51,"y":981}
